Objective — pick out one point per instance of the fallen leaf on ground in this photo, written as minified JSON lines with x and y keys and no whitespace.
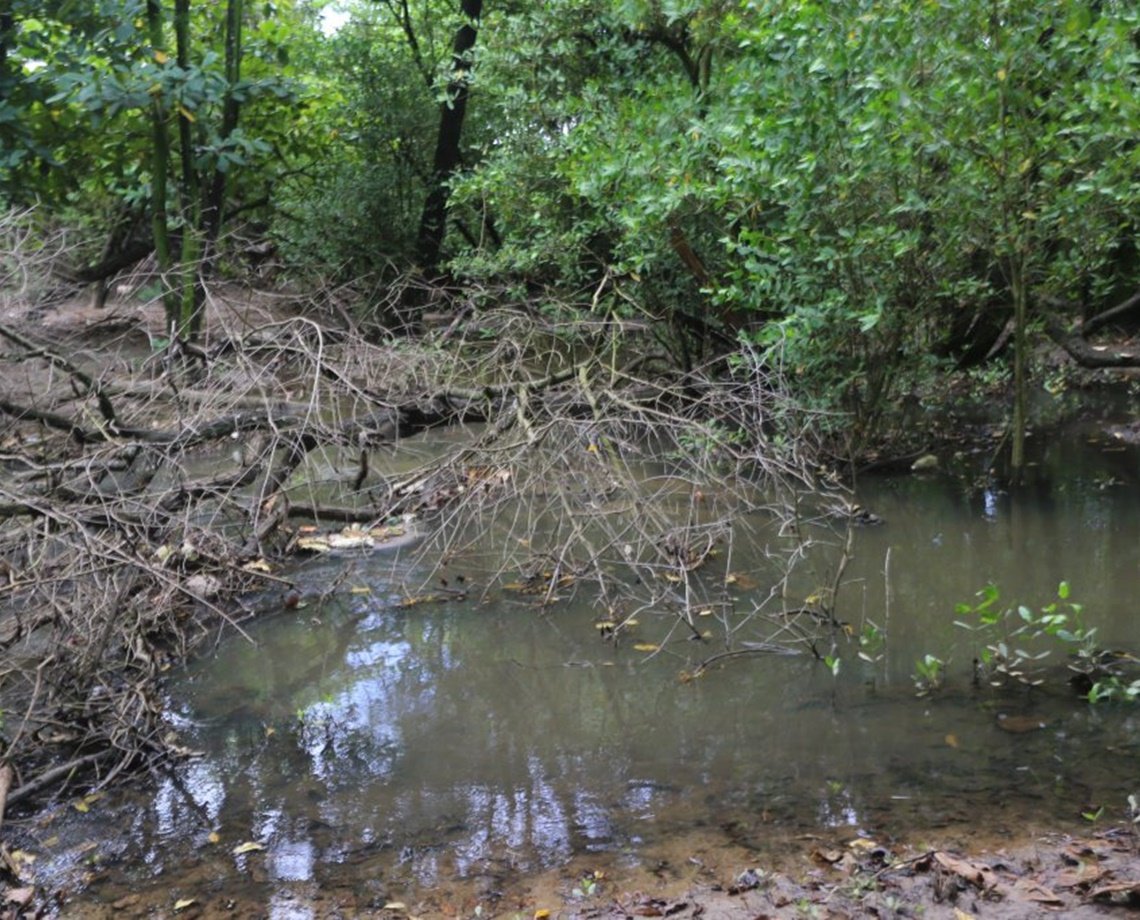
{"x":1037,"y":893}
{"x":1111,"y":892}
{"x":974,"y":873}
{"x":20,"y":896}
{"x":250,"y":846}
{"x":1081,"y":877}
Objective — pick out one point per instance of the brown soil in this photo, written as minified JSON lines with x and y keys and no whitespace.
{"x":1094,"y":875}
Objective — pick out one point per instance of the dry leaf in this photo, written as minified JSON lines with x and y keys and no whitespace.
{"x":1111,"y":892}
{"x":1082,"y":877}
{"x":396,"y":905}
{"x":20,"y":896}
{"x":250,"y":846}
{"x":184,"y":903}
{"x":974,"y":873}
{"x":1039,"y":894}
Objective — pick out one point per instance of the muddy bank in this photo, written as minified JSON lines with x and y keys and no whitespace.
{"x":1086,"y":875}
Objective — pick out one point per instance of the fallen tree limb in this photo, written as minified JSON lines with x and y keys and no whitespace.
{"x":57,"y":774}
{"x":1095,"y":323}
{"x":1075,"y":341}
{"x":1088,"y":355}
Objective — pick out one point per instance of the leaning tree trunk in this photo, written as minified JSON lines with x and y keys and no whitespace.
{"x":451,"y":113}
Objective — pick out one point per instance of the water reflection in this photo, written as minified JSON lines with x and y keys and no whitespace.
{"x":403,"y":747}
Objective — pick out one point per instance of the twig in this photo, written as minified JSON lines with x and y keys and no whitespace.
{"x":63,"y":772}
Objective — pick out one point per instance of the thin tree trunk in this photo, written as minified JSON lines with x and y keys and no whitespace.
{"x":433,"y":221}
{"x":1020,"y":346}
{"x":212,"y":208}
{"x":190,"y":295}
{"x":160,"y":163}
{"x":7,"y":30}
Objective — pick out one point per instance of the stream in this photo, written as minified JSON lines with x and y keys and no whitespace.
{"x":438,"y":754}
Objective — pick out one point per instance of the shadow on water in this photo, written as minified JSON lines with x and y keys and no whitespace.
{"x":400,"y":749}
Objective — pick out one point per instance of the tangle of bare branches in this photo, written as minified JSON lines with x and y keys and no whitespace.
{"x":146,"y":495}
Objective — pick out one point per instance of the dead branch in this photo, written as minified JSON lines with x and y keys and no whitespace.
{"x":57,"y":774}
{"x":7,"y":777}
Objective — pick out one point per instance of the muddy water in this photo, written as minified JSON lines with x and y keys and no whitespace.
{"x":437,"y":754}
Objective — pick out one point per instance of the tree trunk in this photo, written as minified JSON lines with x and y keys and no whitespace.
{"x":1020,"y":347}
{"x":433,"y":221}
{"x":159,"y":164}
{"x":7,"y":30}
{"x":190,"y":296}
{"x":214,"y":202}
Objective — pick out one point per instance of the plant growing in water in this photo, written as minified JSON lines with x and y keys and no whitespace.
{"x":1013,"y":638}
{"x":928,"y":674}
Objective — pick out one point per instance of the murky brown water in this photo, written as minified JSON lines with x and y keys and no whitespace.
{"x":448,"y":750}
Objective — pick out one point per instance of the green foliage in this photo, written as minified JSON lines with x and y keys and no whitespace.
{"x":854,"y":188}
{"x":861,"y":181}
{"x":1112,"y":688}
{"x":928,"y":674}
{"x":872,"y":643}
{"x":354,"y":207}
{"x":1017,"y":640}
